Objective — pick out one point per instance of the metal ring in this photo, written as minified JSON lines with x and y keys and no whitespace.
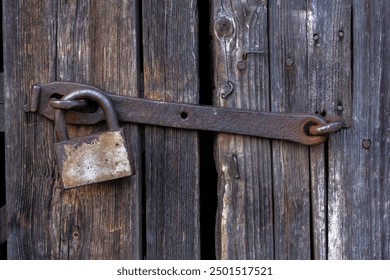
{"x":67,"y":104}
{"x":91,"y":94}
{"x":330,"y":127}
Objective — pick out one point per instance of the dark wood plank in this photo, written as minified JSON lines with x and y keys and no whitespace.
{"x":3,"y":224}
{"x":244,"y":227}
{"x":1,"y":88}
{"x":2,"y":123}
{"x":97,"y":44}
{"x":29,"y":57}
{"x":289,"y":93}
{"x":359,"y":166}
{"x":170,"y":48}
{"x":329,"y":67}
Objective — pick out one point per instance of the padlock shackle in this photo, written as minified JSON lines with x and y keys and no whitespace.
{"x":88,"y":94}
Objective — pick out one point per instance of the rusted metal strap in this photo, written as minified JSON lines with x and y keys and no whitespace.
{"x":302,"y":128}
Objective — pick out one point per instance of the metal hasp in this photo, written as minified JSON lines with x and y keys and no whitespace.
{"x":307,"y":129}
{"x":95,"y":158}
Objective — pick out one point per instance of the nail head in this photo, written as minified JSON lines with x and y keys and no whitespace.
{"x":241,"y":65}
{"x":366,"y":144}
{"x":289,"y":62}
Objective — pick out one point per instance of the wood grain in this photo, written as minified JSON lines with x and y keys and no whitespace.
{"x":97,"y":45}
{"x":276,"y":199}
{"x":329,"y":83}
{"x":359,"y":166}
{"x":244,"y":227}
{"x":29,"y":57}
{"x":3,"y":224}
{"x":2,"y":122}
{"x":291,"y":164}
{"x":170,"y":48}
{"x":74,"y":41}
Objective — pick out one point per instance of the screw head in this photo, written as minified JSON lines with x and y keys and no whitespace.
{"x":316,"y":37}
{"x":341,"y":33}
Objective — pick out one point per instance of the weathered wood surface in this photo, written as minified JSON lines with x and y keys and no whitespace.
{"x":276,"y":199}
{"x":97,"y":44}
{"x":3,"y":224}
{"x":280,"y":200}
{"x":29,"y":56}
{"x":329,"y":84}
{"x":80,"y":41}
{"x":244,"y":228}
{"x":170,"y":48}
{"x":359,"y":162}
{"x":2,"y":126}
{"x":291,"y":164}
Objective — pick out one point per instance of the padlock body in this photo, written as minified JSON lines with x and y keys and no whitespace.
{"x":92,"y":159}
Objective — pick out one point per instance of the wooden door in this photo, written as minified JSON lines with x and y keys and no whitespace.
{"x":281,"y":200}
{"x":100,"y":43}
{"x":273,"y":199}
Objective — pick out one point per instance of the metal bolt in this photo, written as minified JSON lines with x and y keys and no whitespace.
{"x":366,"y":144}
{"x":316,"y":37}
{"x":341,"y":33}
{"x":340,"y":107}
{"x":289,"y":62}
{"x":241,"y":65}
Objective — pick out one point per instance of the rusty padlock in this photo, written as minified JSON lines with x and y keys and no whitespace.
{"x":95,"y":158}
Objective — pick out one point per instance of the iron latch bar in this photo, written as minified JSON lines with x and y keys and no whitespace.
{"x":307,"y":129}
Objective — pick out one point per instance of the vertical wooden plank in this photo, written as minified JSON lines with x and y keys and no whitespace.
{"x":3,"y":224}
{"x":329,"y":67}
{"x":291,"y":162}
{"x":359,"y":166}
{"x":29,"y":57}
{"x":2,"y":122}
{"x":244,"y":227}
{"x":170,"y":47}
{"x":97,"y":44}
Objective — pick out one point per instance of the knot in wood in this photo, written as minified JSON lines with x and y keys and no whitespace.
{"x":224,"y":27}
